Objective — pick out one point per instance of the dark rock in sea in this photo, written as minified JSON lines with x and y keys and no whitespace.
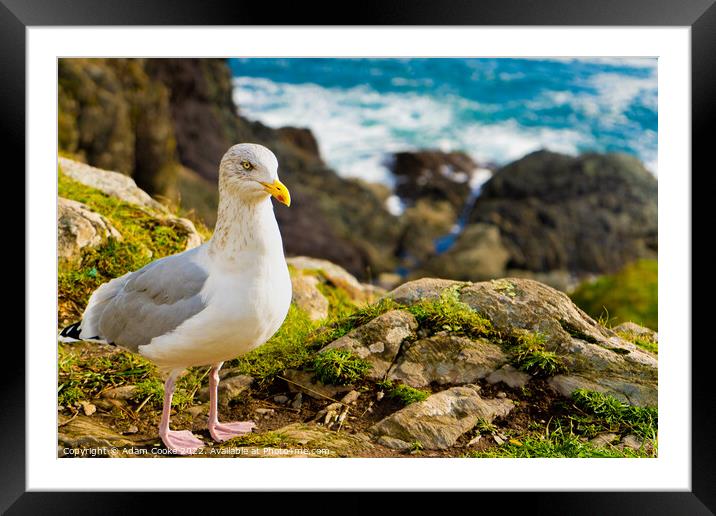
{"x":588,"y":214}
{"x":554,"y":231}
{"x":433,"y":175}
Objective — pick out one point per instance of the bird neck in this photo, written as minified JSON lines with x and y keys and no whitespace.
{"x":245,"y":227}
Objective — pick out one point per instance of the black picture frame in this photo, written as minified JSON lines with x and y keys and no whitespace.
{"x":700,"y":15}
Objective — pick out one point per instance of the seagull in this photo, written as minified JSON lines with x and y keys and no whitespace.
{"x":208,"y":304}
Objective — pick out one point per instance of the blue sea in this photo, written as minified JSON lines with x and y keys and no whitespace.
{"x":496,"y":110}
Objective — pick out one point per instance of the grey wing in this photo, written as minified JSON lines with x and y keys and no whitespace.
{"x":153,"y":301}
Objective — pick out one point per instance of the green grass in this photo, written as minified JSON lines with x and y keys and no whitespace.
{"x":403,"y":393}
{"x":587,"y":415}
{"x":339,"y":367}
{"x":557,"y":443}
{"x":597,"y":412}
{"x":629,"y":295}
{"x":340,"y":304}
{"x":529,"y":354}
{"x":82,"y":378}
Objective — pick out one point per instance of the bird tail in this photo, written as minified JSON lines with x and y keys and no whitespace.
{"x":72,"y":332}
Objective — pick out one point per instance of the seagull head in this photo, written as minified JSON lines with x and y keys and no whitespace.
{"x":250,"y":171}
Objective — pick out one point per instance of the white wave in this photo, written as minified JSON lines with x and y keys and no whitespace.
{"x":358,"y":127}
{"x":631,"y":62}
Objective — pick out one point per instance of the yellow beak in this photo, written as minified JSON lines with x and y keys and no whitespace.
{"x":278,"y":190}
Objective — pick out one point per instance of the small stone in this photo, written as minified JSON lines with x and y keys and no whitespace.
{"x":379,"y":396}
{"x":632,"y":441}
{"x":501,"y":395}
{"x":131,"y":430}
{"x":124,"y":392}
{"x":297,"y":401}
{"x":264,"y":411}
{"x":474,"y":440}
{"x":350,"y":397}
{"x":198,"y":410}
{"x":281,"y":399}
{"x":603,"y":440}
{"x":88,"y":408}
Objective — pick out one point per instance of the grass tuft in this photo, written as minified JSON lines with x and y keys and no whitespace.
{"x":404,"y":393}
{"x":339,"y":367}
{"x":530,"y":355}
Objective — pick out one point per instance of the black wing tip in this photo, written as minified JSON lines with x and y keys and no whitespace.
{"x":72,"y":331}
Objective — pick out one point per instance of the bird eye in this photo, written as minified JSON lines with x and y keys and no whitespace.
{"x":246,"y":165}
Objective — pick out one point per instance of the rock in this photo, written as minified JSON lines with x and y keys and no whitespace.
{"x":198,"y":410}
{"x":114,"y":116}
{"x":422,"y":289}
{"x":337,"y":444}
{"x":510,"y":376}
{"x":302,"y":382}
{"x":281,"y":399}
{"x":301,"y":138}
{"x":85,"y":433}
{"x":123,"y":392}
{"x":632,"y":441}
{"x":634,"y":330}
{"x":603,"y":440}
{"x":478,"y":254}
{"x":433,"y":175}
{"x":229,"y":389}
{"x":393,"y":443}
{"x":594,"y":357}
{"x":335,"y":274}
{"x":297,"y":402}
{"x":378,"y":341}
{"x":307,"y":297}
{"x":111,"y":183}
{"x":441,"y":419}
{"x":474,"y":440}
{"x":79,"y":227}
{"x":593,"y":213}
{"x":88,"y":408}
{"x":446,"y":359}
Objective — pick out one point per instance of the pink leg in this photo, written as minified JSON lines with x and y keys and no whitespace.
{"x":182,"y":442}
{"x":222,"y":431}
